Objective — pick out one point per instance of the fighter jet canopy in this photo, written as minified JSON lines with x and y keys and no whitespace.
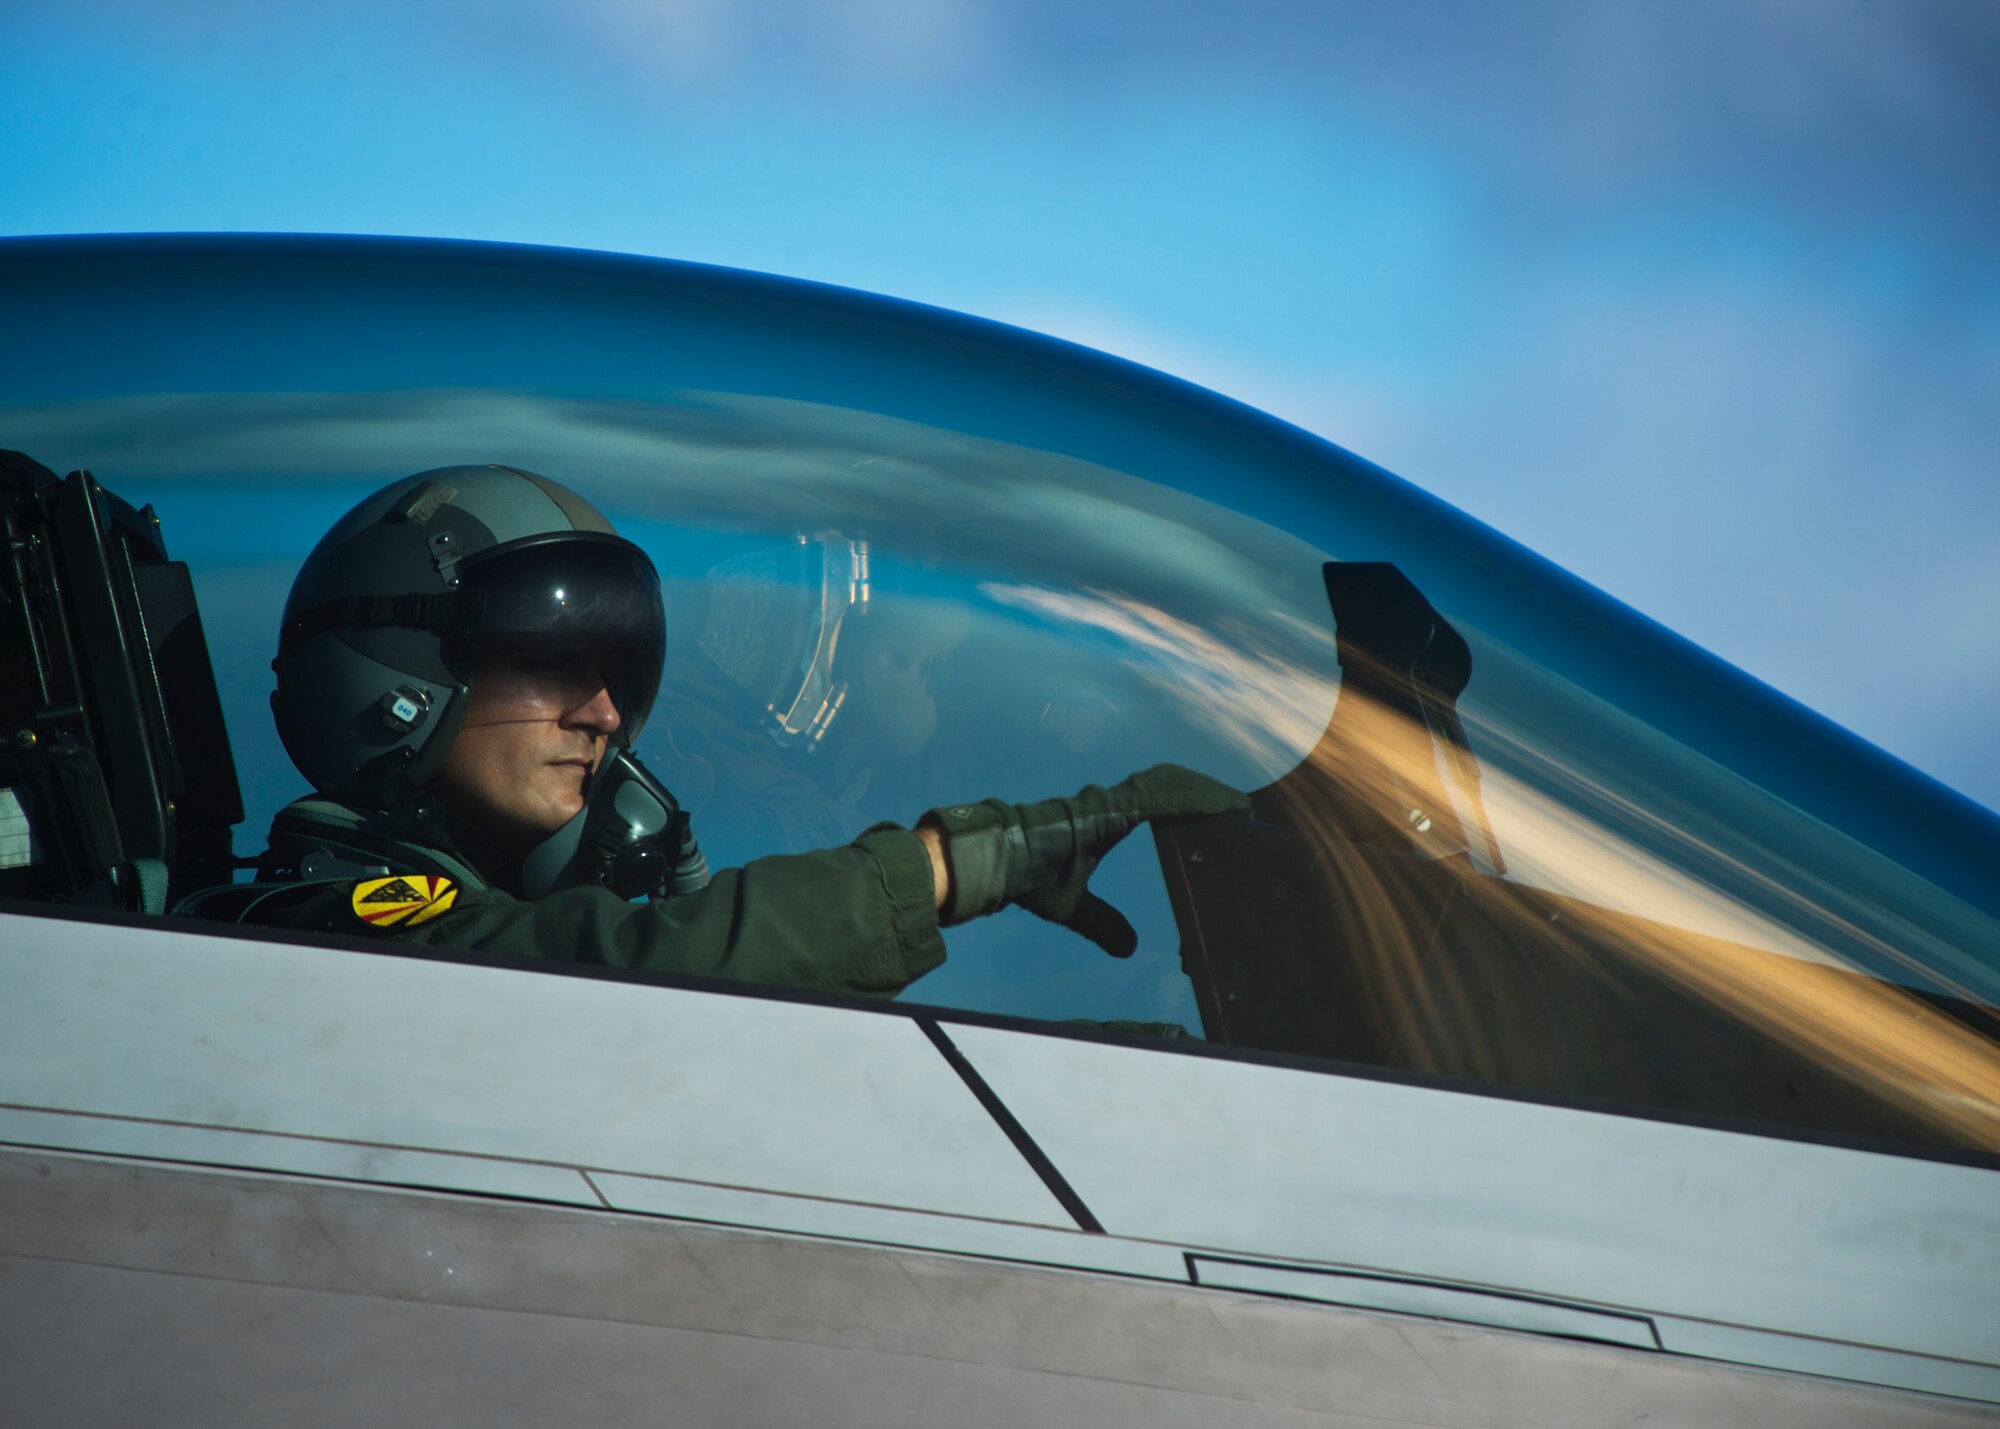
{"x":1510,"y":833}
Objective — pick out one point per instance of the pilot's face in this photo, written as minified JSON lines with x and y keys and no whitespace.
{"x":533,"y":734}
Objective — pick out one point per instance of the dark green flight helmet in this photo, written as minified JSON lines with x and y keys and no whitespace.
{"x":377,"y":655}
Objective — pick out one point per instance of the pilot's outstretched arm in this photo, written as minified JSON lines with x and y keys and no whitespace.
{"x":863,"y":919}
{"x":860,"y":919}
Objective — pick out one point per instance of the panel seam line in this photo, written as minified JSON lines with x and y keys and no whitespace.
{"x":1030,"y":1150}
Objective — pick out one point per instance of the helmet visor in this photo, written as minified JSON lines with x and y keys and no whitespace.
{"x":579,"y":608}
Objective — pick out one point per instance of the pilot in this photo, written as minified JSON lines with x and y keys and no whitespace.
{"x":460,"y":656}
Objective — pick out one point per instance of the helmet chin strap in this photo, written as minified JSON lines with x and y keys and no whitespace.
{"x":389,"y":784}
{"x":550,"y":864}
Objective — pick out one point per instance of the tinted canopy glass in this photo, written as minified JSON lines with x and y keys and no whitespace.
{"x":1507,"y":831}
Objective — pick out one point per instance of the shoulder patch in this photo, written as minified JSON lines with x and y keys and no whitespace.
{"x":402,"y":900}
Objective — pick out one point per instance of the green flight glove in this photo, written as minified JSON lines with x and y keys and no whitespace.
{"x":1041,"y":856}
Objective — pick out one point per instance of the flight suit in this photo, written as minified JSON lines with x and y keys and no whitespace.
{"x":861,"y":919}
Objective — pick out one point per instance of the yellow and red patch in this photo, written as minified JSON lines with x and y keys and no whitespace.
{"x":403,"y":900}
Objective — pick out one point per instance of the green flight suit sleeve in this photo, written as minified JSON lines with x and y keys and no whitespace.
{"x":860,"y":919}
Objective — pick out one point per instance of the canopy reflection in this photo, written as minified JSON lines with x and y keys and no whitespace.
{"x":1577,"y":858}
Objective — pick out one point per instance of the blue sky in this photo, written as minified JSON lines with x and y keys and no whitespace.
{"x":1699,"y":299}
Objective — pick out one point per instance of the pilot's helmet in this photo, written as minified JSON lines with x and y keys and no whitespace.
{"x":378,"y":651}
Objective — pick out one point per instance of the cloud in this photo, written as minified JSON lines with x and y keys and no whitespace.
{"x":1250,"y":695}
{"x":1584,"y":97}
{"x":729,"y":53}
{"x":1785,"y":457}
{"x":1365,"y":408}
{"x":732,"y":461}
{"x":1759,"y":472}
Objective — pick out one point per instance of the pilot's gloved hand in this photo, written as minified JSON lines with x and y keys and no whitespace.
{"x":1041,"y":856}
